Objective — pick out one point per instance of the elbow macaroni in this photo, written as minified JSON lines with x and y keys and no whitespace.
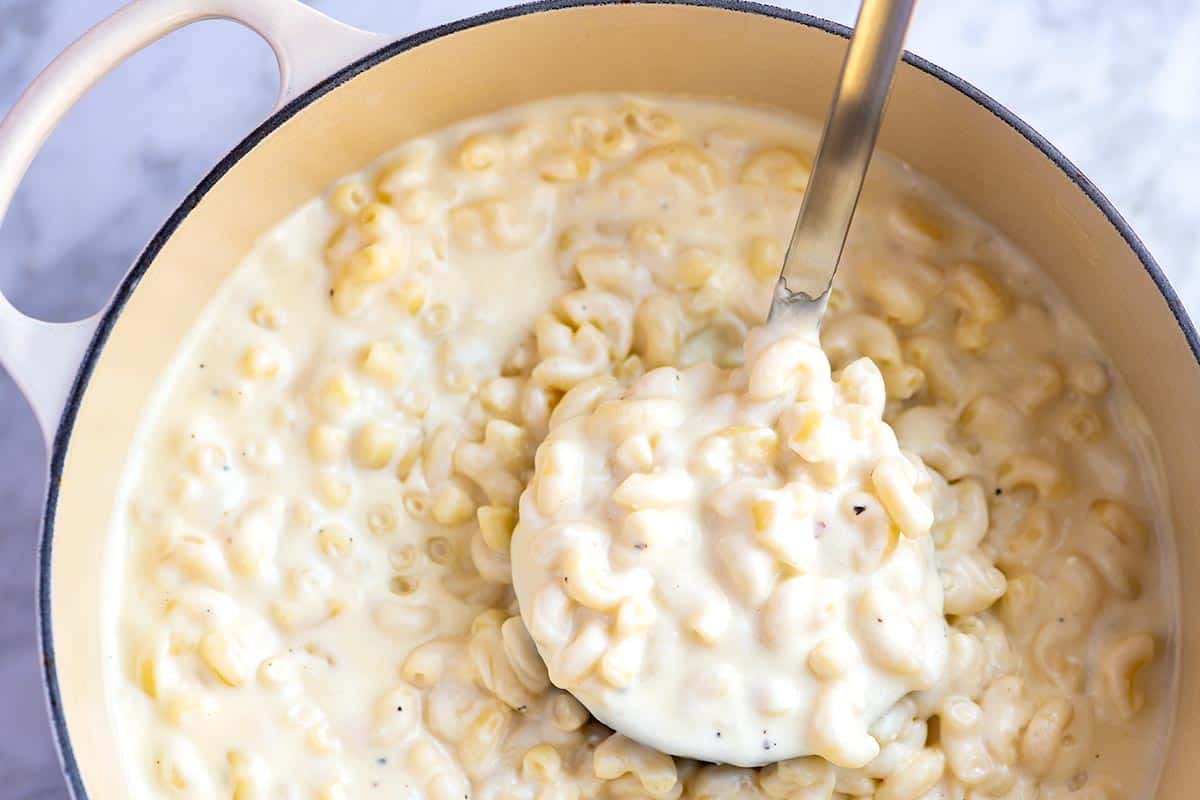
{"x":313,"y":593}
{"x":777,"y":516}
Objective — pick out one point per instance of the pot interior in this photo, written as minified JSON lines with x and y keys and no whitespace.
{"x":428,"y":82}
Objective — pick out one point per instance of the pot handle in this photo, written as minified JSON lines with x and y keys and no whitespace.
{"x":44,"y":357}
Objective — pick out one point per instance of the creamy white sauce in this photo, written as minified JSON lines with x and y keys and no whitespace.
{"x":734,"y":565}
{"x":310,"y":583}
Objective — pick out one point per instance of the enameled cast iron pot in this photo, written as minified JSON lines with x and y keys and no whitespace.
{"x":348,"y":96}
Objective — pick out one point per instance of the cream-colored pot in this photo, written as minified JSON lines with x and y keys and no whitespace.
{"x":88,"y":381}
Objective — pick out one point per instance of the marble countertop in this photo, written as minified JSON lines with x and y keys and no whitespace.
{"x":1113,"y":84}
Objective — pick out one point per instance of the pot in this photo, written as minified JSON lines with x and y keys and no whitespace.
{"x":352,"y":95}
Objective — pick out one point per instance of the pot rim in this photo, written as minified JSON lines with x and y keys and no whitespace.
{"x":58,"y":723}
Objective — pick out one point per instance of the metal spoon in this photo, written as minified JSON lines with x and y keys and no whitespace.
{"x":842,"y":158}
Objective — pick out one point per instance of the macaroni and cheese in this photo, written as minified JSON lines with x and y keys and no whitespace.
{"x":313,"y":557}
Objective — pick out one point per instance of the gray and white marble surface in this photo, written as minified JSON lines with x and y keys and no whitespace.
{"x":1116,"y":85}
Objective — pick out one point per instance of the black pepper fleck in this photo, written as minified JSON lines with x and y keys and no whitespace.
{"x":640,"y":546}
{"x":381,"y":761}
{"x":999,"y":491}
{"x":399,"y":708}
{"x":859,"y":509}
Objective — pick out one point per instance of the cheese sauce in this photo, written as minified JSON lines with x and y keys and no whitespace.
{"x":311,"y":591}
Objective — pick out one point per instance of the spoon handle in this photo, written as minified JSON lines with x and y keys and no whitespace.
{"x":843,"y":154}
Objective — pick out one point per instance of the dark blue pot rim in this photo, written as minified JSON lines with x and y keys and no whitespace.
{"x":129,"y":283}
